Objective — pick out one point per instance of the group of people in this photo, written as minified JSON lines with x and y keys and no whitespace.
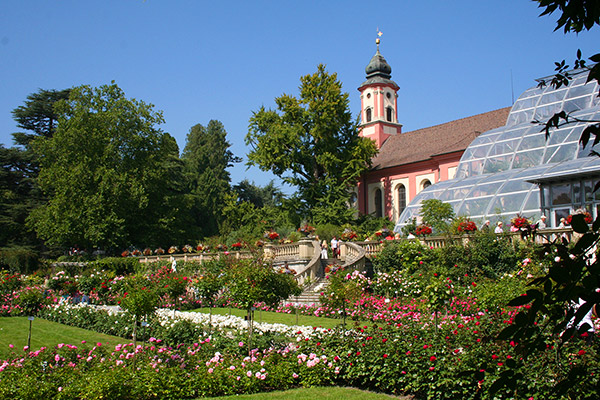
{"x":540,"y":224}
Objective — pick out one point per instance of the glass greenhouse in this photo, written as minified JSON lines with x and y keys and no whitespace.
{"x":515,"y":169}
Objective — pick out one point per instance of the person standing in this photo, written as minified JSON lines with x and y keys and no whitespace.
{"x":541,"y":224}
{"x":324,"y":250}
{"x":498,"y":228}
{"x":335,"y":247}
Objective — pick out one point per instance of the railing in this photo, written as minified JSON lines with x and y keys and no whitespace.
{"x":194,"y":257}
{"x":311,"y":250}
{"x":285,"y":251}
{"x":354,"y":256}
{"x":540,"y":237}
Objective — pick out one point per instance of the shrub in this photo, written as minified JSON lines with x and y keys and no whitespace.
{"x":119,"y":265}
{"x":399,"y":255}
{"x":19,"y":259}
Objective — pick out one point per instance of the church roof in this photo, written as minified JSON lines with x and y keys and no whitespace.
{"x":424,"y":144}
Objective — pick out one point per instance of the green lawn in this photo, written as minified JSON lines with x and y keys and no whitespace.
{"x":281,"y":318}
{"x":321,"y":393}
{"x":14,"y":330}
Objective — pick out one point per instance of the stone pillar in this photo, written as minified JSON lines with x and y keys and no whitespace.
{"x":305,"y":248}
{"x":343,"y":250}
{"x":269,"y":251}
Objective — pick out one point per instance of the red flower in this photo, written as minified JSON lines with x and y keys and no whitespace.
{"x":385,"y":356}
{"x":581,"y":352}
{"x":432,"y":358}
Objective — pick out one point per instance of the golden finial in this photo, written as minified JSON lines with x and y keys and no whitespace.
{"x":377,"y":41}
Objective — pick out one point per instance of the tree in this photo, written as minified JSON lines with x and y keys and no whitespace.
{"x":253,"y":281}
{"x":17,"y":197}
{"x":19,"y":167}
{"x":105,"y":171}
{"x":437,"y":214}
{"x":312,"y":143}
{"x":206,"y":158}
{"x":38,"y":115}
{"x":268,"y":195}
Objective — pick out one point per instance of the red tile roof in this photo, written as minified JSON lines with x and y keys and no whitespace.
{"x":423,"y":144}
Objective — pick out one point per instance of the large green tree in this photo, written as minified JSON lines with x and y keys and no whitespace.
{"x":206,"y":157}
{"x":105,"y":171}
{"x":312,"y":143}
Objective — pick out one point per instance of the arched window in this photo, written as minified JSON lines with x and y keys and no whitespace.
{"x":401,"y":198}
{"x":378,"y":203}
{"x":368,"y":114}
{"x":425,"y":184}
{"x":388,"y":113}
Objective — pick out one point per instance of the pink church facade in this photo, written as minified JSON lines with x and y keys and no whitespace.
{"x":407,"y":162}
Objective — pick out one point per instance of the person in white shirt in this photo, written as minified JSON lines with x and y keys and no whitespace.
{"x":541,"y":224}
{"x":498,"y":228}
{"x":334,"y":247}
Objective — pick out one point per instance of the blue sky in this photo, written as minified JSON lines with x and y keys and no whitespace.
{"x":203,"y":60}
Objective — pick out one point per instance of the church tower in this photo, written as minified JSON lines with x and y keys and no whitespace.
{"x":379,"y":101}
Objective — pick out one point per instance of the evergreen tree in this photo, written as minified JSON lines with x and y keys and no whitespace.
{"x":206,"y":157}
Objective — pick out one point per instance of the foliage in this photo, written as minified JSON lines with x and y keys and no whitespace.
{"x":140,"y":298}
{"x":206,"y":158}
{"x":250,"y":282}
{"x":118,"y":265}
{"x":410,"y":227}
{"x":210,"y":280}
{"x":344,"y":289}
{"x":106,"y":172}
{"x":437,"y":215}
{"x":312,"y":143}
{"x":19,"y":259}
{"x":573,"y":278}
{"x":30,"y":301}
{"x":401,"y":255}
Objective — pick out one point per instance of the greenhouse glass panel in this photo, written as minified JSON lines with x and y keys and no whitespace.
{"x":559,"y":136}
{"x":579,"y":90}
{"x":560,"y":153}
{"x":517,"y":185}
{"x":529,"y":158}
{"x":534,"y":141}
{"x":504,"y":147}
{"x":495,"y":167}
{"x":578,"y":104}
{"x":529,"y":102}
{"x":509,"y":203}
{"x":532,"y":204}
{"x":520,"y":117}
{"x":474,"y":207}
{"x":553,"y":97}
{"x":497,"y":164}
{"x":544,"y":112}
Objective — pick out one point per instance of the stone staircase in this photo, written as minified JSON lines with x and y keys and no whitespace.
{"x":310,"y":295}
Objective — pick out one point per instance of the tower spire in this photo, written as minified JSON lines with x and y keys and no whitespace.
{"x":379,"y":102}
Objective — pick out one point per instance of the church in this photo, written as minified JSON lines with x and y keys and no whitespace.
{"x":492,"y":166}
{"x":407,"y":162}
